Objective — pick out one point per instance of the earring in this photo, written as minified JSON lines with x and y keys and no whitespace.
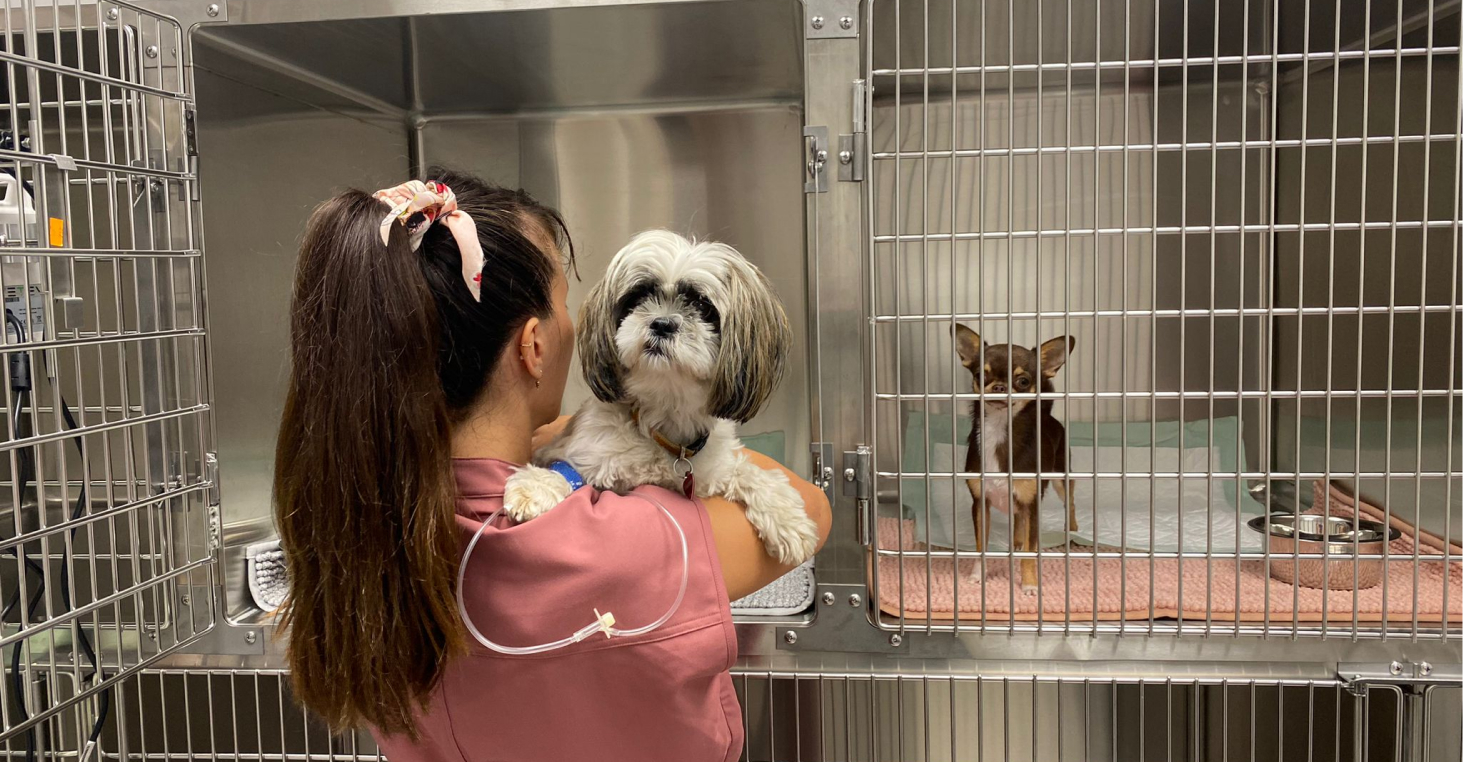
{"x":537,"y":383}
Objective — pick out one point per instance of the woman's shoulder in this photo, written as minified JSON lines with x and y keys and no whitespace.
{"x":598,"y":549}
{"x":633,"y":510}
{"x":591,"y":526}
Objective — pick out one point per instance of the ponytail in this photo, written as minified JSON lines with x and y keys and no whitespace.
{"x":388,"y":350}
{"x":363,"y":480}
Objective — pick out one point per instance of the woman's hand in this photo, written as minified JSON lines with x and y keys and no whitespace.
{"x":547,"y":432}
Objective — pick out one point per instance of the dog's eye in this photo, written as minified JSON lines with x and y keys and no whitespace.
{"x":697,"y":301}
{"x":631,"y":300}
{"x":1022,"y":383}
{"x":708,"y":312}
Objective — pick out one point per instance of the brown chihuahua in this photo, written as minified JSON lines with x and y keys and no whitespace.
{"x":1004,"y":443}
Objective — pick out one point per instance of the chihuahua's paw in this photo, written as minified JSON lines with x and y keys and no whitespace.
{"x":977,"y":571}
{"x":1030,"y":575}
{"x":532,"y":491}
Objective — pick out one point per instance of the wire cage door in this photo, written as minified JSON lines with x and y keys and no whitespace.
{"x":863,"y":716}
{"x":1226,"y":233}
{"x":107,"y":547}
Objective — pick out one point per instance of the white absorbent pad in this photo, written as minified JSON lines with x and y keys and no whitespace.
{"x":1138,"y":513}
{"x":269,"y":578}
{"x":792,"y":593}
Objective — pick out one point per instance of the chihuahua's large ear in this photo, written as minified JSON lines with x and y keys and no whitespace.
{"x":1054,"y":354}
{"x":598,"y":356}
{"x":968,"y":345}
{"x":755,"y":341}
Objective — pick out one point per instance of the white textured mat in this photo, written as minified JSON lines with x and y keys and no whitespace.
{"x":792,"y":593}
{"x":269,"y":578}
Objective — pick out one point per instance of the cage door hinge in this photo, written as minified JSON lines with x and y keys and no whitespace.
{"x":190,"y":130}
{"x":858,"y":483}
{"x":215,"y":517}
{"x":1358,"y":677}
{"x":851,"y":147}
{"x":815,"y":160}
{"x":190,"y":140}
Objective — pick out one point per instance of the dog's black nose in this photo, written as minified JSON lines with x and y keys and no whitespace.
{"x":663,"y":327}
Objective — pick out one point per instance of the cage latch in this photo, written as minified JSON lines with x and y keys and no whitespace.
{"x":822,"y":469}
{"x":815,"y":160}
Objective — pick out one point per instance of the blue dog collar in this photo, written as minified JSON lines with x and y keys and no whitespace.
{"x":567,"y":471}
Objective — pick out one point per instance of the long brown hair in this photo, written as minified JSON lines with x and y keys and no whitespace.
{"x":388,"y":349}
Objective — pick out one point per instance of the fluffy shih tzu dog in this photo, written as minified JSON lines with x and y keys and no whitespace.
{"x":680,"y":342}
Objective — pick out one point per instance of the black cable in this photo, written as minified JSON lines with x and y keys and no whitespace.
{"x":20,"y":383}
{"x":104,"y":699}
{"x":20,"y":379}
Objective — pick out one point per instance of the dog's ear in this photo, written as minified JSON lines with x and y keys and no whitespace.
{"x":755,"y":340}
{"x":968,"y":345}
{"x":1053,"y":354}
{"x":598,"y":356}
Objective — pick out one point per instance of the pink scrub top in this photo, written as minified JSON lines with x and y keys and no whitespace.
{"x":664,"y":695}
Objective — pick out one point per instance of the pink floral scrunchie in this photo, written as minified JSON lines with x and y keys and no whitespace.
{"x":416,"y":205}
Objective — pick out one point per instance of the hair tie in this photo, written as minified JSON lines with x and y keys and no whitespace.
{"x":416,"y":205}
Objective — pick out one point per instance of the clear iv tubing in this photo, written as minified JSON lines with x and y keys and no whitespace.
{"x":604,"y":623}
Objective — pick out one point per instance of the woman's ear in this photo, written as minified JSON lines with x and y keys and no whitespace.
{"x":531,"y":347}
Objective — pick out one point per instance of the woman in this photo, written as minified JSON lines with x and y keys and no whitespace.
{"x":430,"y":340}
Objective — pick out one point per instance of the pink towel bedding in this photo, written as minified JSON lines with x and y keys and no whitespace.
{"x":1195,"y":588}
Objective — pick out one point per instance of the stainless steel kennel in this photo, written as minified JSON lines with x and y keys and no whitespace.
{"x":1245,"y":212}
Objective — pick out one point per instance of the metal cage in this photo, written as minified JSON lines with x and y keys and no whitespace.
{"x":867,"y":716}
{"x":1246,"y":215}
{"x":107,"y":548}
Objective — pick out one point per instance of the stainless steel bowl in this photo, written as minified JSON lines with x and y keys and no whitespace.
{"x":1352,"y":552}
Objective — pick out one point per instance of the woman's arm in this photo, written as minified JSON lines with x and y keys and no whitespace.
{"x":745,"y":565}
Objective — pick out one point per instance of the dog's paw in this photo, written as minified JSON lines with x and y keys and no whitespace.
{"x":977,"y":572}
{"x":1029,"y":575}
{"x":792,"y":540}
{"x":777,"y":514}
{"x":532,"y":491}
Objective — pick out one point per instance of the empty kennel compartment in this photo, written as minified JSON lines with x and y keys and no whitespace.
{"x":687,"y":116}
